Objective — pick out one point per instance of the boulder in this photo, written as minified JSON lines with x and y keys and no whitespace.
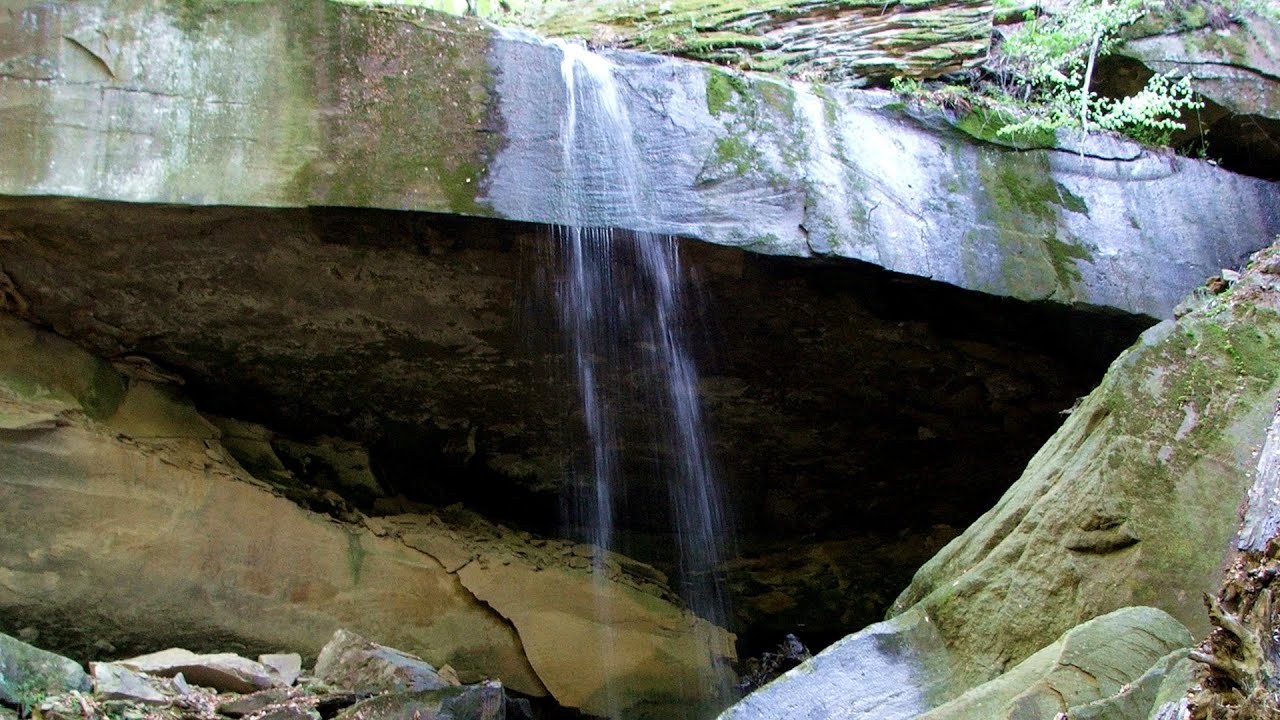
{"x":28,"y":673}
{"x":1109,"y":667}
{"x":115,"y":681}
{"x":351,"y":662}
{"x":224,"y":672}
{"x":1134,"y":499}
{"x":485,"y":701}
{"x":476,"y":112}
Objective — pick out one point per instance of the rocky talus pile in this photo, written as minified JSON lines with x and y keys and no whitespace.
{"x":353,"y":679}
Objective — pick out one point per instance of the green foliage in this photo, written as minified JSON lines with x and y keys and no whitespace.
{"x":1050,"y":60}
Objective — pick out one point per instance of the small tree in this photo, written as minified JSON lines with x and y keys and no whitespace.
{"x":1052,"y":59}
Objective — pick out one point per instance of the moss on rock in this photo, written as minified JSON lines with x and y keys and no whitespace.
{"x":1134,"y":499}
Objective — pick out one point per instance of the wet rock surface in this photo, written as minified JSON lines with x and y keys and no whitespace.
{"x":393,"y":354}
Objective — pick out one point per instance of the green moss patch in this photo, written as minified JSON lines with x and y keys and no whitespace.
{"x":414,"y":94}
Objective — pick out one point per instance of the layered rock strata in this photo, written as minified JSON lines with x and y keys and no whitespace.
{"x":332,"y":104}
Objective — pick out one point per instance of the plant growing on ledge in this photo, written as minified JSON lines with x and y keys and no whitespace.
{"x":1039,"y":76}
{"x":1049,"y":63}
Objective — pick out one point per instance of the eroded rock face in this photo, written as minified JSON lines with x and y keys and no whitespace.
{"x":1235,"y":65}
{"x":1134,"y":500}
{"x":338,"y":105}
{"x":194,"y":551}
{"x":404,"y":354}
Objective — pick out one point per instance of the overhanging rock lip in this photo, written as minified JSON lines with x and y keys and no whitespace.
{"x":732,"y":158}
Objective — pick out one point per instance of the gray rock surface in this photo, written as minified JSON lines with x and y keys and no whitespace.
{"x":351,"y":662}
{"x":28,"y":673}
{"x":485,"y":701}
{"x":888,"y":671}
{"x":286,"y":666}
{"x":408,"y":110}
{"x":226,"y":672}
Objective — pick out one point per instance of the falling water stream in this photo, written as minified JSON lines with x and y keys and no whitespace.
{"x":619,"y":327}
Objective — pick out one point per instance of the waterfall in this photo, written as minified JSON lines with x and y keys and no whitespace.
{"x":624,"y":314}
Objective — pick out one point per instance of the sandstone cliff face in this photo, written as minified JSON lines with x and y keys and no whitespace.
{"x":1133,"y":502}
{"x":127,"y":525}
{"x":336,"y":105}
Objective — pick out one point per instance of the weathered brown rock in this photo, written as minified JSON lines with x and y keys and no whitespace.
{"x":196,"y":553}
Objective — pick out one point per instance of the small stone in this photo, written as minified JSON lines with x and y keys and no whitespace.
{"x":449,"y":675}
{"x":252,"y":703}
{"x":286,"y":666}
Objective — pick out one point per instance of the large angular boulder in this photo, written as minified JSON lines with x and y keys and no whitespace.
{"x":27,"y":673}
{"x":225,"y":672}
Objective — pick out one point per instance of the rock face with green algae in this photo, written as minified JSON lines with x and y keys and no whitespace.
{"x":1109,"y":667}
{"x":292,"y":103}
{"x":1236,"y":70}
{"x":1133,"y":501}
{"x":28,"y":673}
{"x":124,"y":521}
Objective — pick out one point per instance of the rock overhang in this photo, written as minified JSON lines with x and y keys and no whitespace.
{"x":298,"y":103}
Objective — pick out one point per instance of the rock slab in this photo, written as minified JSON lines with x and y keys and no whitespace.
{"x":405,"y":109}
{"x":27,"y":672}
{"x":351,"y":662}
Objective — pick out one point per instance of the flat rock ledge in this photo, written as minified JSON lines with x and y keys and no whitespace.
{"x":336,"y":105}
